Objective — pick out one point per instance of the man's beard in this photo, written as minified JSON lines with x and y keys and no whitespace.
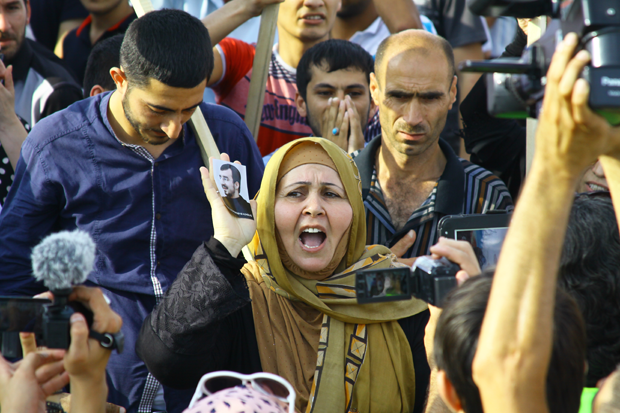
{"x":314,"y":126}
{"x":138,"y":127}
{"x":4,"y":36}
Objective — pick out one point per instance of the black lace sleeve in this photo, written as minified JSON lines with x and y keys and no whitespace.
{"x":203,"y":323}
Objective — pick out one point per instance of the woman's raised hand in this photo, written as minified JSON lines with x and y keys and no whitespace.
{"x":233,"y":232}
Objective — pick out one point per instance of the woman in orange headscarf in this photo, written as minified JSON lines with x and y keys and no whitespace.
{"x":303,"y":321}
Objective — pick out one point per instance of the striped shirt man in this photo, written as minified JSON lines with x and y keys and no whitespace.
{"x":463,"y":188}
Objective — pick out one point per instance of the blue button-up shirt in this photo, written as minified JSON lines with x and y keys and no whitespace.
{"x":147,"y":216}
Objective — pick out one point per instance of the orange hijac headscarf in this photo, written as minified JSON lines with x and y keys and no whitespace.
{"x":309,"y":327}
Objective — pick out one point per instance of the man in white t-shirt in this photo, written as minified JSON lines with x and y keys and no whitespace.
{"x":368,"y":22}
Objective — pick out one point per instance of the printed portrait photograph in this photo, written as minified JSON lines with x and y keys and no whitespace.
{"x":232,"y":184}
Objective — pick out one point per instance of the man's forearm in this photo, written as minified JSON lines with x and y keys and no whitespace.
{"x":12,"y":135}
{"x":467,"y":81}
{"x":517,"y":331}
{"x":223,"y":21}
{"x":398,"y":15}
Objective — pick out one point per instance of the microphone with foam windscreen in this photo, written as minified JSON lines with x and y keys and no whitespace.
{"x":62,"y":261}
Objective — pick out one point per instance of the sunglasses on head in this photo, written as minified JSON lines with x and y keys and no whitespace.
{"x":266,"y":383}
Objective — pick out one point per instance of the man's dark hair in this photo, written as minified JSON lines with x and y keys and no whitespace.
{"x":590,"y":273}
{"x":332,"y":55}
{"x":456,"y":341}
{"x":170,"y":46}
{"x":236,"y":175}
{"x":105,"y":55}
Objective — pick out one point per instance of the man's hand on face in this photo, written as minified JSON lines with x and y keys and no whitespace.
{"x":338,"y":119}
{"x":356,"y":137}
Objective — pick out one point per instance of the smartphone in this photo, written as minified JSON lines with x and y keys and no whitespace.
{"x":485,"y":233}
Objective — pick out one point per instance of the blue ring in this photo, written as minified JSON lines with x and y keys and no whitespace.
{"x":335,"y":131}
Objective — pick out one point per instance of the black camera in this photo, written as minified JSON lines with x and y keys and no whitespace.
{"x":429,"y":280}
{"x":515,"y":86}
{"x":48,"y":320}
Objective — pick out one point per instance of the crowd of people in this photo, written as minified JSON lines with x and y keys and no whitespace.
{"x":369,"y":136}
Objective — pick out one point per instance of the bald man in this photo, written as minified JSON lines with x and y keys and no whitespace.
{"x":410,"y":177}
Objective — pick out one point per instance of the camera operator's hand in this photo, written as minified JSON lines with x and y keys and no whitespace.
{"x":459,"y":252}
{"x":570,"y":135}
{"x":86,"y":359}
{"x":25,"y":385}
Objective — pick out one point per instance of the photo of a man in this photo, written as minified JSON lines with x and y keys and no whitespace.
{"x":231,"y":189}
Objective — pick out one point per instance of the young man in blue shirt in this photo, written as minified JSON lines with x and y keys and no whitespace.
{"x":124,"y":167}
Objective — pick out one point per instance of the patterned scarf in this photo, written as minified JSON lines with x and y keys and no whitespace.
{"x":312,"y":332}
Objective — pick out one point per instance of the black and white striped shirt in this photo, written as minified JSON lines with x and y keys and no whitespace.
{"x":463,"y":188}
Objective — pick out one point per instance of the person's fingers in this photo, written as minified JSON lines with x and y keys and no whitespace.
{"x":50,"y":370}
{"x":254,"y":206}
{"x":461,"y":277}
{"x":356,"y":137}
{"x":78,"y":351}
{"x":402,"y":246}
{"x":340,"y":115}
{"x":210,"y":187}
{"x":571,"y":73}
{"x":579,"y":101}
{"x":29,"y":343}
{"x":560,"y":59}
{"x":8,"y":80}
{"x":55,"y":383}
{"x":48,"y":295}
{"x":459,"y":252}
{"x":35,"y":360}
{"x":407,"y":261}
{"x":332,"y":114}
{"x":104,"y":319}
{"x":343,"y":142}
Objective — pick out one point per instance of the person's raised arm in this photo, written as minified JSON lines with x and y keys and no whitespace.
{"x":12,"y":132}
{"x":223,"y":21}
{"x":203,"y":316}
{"x":398,"y":15}
{"x":514,"y":349}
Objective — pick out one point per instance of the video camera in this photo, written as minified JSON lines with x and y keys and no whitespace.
{"x":428,"y":279}
{"x":61,"y":261}
{"x":515,"y":86}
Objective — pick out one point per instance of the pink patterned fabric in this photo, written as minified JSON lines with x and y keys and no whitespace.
{"x":238,"y":399}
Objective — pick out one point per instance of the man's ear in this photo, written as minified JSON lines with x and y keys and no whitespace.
{"x":95,"y":90}
{"x":301,"y":105}
{"x":28,"y":12}
{"x":119,"y":78}
{"x":453,"y":90}
{"x":447,"y":392}
{"x":374,"y":91}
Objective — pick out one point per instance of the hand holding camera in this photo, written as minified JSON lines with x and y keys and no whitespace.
{"x":430,"y":278}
